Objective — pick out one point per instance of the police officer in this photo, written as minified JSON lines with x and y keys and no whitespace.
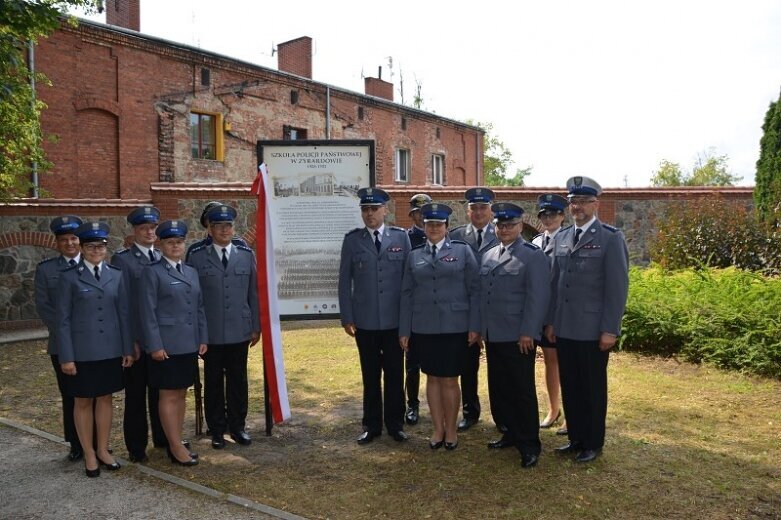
{"x":590,"y":283}
{"x":514,"y":296}
{"x":479,"y":234}
{"x":94,"y":341}
{"x":47,"y":274}
{"x":173,"y":322}
{"x":370,"y":271}
{"x":207,"y":240}
{"x":551,"y":214}
{"x":417,"y":237}
{"x":132,"y":262}
{"x":440,"y":300}
{"x":228,"y":277}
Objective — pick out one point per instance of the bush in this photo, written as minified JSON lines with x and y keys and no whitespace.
{"x":727,"y":317}
{"x":716,"y":233}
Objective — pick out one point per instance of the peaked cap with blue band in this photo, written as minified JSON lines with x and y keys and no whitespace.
{"x":65,"y":224}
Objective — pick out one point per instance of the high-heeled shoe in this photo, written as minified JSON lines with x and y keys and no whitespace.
{"x":111,"y":467}
{"x":548,"y":424}
{"x":92,"y":473}
{"x":436,"y":445}
{"x":450,"y":446}
{"x":192,"y":462}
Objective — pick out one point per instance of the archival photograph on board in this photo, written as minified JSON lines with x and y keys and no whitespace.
{"x":314,"y":204}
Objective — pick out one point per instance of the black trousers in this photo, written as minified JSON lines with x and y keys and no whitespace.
{"x":583,"y":373}
{"x":135,"y":426}
{"x":225,"y":388}
{"x":381,"y":357}
{"x":469,"y":398}
{"x":412,"y":381}
{"x":511,"y":374}
{"x":67,"y":406}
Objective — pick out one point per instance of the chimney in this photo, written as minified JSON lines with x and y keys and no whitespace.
{"x":295,"y":57}
{"x":124,"y":13}
{"x":378,"y":88}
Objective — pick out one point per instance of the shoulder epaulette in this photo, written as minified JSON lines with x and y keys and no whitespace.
{"x":562,"y":228}
{"x":538,"y":236}
{"x":238,"y":241}
{"x":114,"y":267}
{"x":396,"y":228}
{"x":198,"y":248}
{"x":459,"y":242}
{"x":354,"y":230}
{"x":462,"y":226}
{"x":419,"y":246}
{"x":531,"y":246}
{"x":45,"y":260}
{"x":609,"y":227}
{"x":244,"y":248}
{"x":123,"y":251}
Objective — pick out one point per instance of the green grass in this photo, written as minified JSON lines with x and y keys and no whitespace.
{"x":683,"y":441}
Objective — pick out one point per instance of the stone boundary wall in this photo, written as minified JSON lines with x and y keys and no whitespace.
{"x":25,"y":239}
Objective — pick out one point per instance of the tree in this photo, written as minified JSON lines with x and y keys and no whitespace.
{"x":497,"y":160}
{"x":21,"y":24}
{"x":767,"y":189}
{"x":709,"y":170}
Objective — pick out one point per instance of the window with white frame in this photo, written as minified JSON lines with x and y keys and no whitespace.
{"x":438,"y":169}
{"x":402,"y":165}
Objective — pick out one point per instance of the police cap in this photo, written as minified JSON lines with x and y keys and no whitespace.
{"x":373,"y":197}
{"x":93,"y":232}
{"x":144,"y":215}
{"x":171,"y":229}
{"x":65,"y":224}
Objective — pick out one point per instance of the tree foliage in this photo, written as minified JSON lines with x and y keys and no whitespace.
{"x":497,"y":160}
{"x":21,"y":24}
{"x":709,"y":169}
{"x":767,"y":190}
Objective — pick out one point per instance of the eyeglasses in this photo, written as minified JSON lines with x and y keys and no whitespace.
{"x":94,"y":247}
{"x":578,"y":201}
{"x":506,"y":225}
{"x":549,"y":214}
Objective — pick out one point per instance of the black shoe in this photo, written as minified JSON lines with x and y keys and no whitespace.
{"x":529,"y":461}
{"x":192,"y":462}
{"x":548,"y":424}
{"x":450,"y":446}
{"x":504,"y":442}
{"x":366,"y":437}
{"x":186,"y":444}
{"x":562,"y":431}
{"x":587,"y":455}
{"x":111,"y":467}
{"x":411,"y":417}
{"x":399,"y":436}
{"x":137,"y":457}
{"x":92,"y":473}
{"x":570,"y":448}
{"x":241,"y":437}
{"x":218,"y":442}
{"x":435,"y":445}
{"x":466,"y":423}
{"x":75,"y":454}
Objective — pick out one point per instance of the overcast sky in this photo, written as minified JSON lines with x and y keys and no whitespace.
{"x":600,"y":88}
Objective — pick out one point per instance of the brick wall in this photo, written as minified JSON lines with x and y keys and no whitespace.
{"x":295,"y":57}
{"x":124,"y":13}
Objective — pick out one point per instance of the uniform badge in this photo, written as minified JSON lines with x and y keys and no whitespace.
{"x":578,"y":181}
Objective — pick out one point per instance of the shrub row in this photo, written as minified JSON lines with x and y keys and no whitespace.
{"x":728,"y":317}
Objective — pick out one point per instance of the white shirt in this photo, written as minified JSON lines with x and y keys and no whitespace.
{"x":587,"y":225}
{"x":144,"y":249}
{"x":218,"y":249}
{"x":91,"y":267}
{"x":381,"y":229}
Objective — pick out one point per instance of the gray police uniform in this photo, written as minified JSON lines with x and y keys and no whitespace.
{"x":469,"y":381}
{"x":172,"y":318}
{"x":369,"y":297}
{"x":440,"y":295}
{"x":590,"y":284}
{"x":230,"y":297}
{"x":514,"y":297}
{"x":545,"y":243}
{"x":47,"y":275}
{"x":93,"y":326}
{"x":132,"y":262}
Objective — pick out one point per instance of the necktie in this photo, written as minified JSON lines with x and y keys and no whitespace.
{"x":377,"y":240}
{"x":479,"y":238}
{"x":546,"y":242}
{"x":179,"y":267}
{"x":433,"y":251}
{"x":501,"y":250}
{"x":151,"y":256}
{"x":96,"y":270}
{"x":578,"y":232}
{"x":224,"y":258}
{"x":71,"y":262}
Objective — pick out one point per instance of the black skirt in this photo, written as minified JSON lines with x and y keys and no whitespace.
{"x":95,"y":378}
{"x":174,"y":373}
{"x":441,"y":355}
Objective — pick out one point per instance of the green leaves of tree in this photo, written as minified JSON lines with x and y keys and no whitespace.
{"x":708,"y":170}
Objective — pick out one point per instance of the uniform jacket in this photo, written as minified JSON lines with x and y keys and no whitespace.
{"x":440,"y":295}
{"x":539,"y":240}
{"x":132,"y":262}
{"x":171,"y":309}
{"x":590,"y":283}
{"x":370,"y":282}
{"x":514,"y":292}
{"x":47,"y":274}
{"x":93,"y":317}
{"x":417,"y":237}
{"x":230,"y":295}
{"x":207,"y":241}
{"x":468,"y":234}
